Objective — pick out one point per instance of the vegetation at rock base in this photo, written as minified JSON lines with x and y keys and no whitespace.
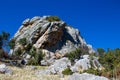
{"x":67,"y":71}
{"x":28,"y":47}
{"x":93,"y":71}
{"x":76,"y":54}
{"x":110,"y":60}
{"x":53,"y":18}
{"x":18,"y":52}
{"x":37,"y":56}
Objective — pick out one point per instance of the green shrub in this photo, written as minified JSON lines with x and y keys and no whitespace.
{"x":74,"y":55}
{"x":53,"y":18}
{"x":67,"y":71}
{"x":92,"y":71}
{"x":37,"y":55}
{"x":28,"y":47}
{"x":23,"y":41}
{"x":18,"y":52}
{"x":32,"y":61}
{"x":32,"y":52}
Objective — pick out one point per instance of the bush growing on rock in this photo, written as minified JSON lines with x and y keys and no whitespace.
{"x":67,"y":71}
{"x":32,"y":61}
{"x":74,"y":55}
{"x":53,"y":18}
{"x":28,"y":47}
{"x":32,"y":52}
{"x":93,"y":71}
{"x":23,"y":41}
{"x":18,"y":52}
{"x":37,"y":56}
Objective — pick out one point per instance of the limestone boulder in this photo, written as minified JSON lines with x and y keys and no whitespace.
{"x":5,"y":70}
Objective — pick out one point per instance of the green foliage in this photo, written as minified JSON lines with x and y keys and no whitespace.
{"x":32,"y":52}
{"x":74,"y":55}
{"x":110,"y":61}
{"x":92,"y":71}
{"x":28,"y":47}
{"x":37,"y":56}
{"x":23,"y":41}
{"x":12,"y":43}
{"x":53,"y":18}
{"x":32,"y":61}
{"x":18,"y":52}
{"x":67,"y":71}
{"x":101,"y":51}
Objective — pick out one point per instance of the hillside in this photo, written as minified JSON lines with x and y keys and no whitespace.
{"x":47,"y":48}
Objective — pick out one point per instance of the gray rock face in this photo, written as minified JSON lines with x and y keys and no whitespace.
{"x":34,"y":19}
{"x":59,"y":65}
{"x":85,"y":76}
{"x":26,"y":22}
{"x":86,"y":63}
{"x":82,"y":64}
{"x":52,"y":36}
{"x":5,"y":70}
{"x":47,"y":62}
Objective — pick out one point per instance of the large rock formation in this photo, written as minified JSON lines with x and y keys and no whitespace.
{"x":50,"y":35}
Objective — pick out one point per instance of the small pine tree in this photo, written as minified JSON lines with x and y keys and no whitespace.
{"x":23,"y":41}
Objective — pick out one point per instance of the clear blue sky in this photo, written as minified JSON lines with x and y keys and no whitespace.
{"x":97,"y":20}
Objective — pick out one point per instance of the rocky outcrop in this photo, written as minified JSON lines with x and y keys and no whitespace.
{"x":85,"y":76}
{"x":86,"y":63}
{"x":50,"y":35}
{"x":57,"y":67}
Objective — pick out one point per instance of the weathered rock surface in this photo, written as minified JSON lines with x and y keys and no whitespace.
{"x":47,"y":62}
{"x":5,"y":70}
{"x":86,"y":63}
{"x":52,"y":36}
{"x":85,"y":76}
{"x":57,"y":67}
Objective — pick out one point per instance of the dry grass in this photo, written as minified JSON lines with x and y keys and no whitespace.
{"x":27,"y":73}
{"x":20,"y":74}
